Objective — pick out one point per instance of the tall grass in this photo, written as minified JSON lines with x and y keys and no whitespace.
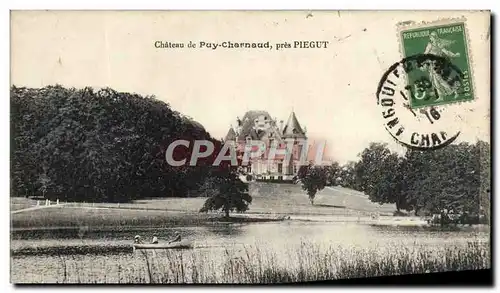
{"x":252,"y":264}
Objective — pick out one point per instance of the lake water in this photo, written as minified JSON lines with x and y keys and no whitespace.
{"x":217,"y":241}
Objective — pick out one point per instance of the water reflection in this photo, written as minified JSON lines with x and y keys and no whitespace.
{"x":275,"y":234}
{"x":282,"y":243}
{"x":222,"y":230}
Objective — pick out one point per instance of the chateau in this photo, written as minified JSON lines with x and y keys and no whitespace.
{"x":259,"y":126}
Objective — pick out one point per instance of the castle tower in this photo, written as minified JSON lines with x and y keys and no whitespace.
{"x":293,"y":131}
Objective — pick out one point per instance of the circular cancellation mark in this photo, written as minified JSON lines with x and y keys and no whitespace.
{"x":419,"y":77}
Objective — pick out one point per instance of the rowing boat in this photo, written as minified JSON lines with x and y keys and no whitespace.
{"x":175,"y":245}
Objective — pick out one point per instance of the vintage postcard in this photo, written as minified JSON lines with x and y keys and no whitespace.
{"x":249,"y":147}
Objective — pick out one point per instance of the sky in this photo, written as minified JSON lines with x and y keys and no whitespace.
{"x":332,"y":90}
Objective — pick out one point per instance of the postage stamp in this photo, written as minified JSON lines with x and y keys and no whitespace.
{"x":434,"y":84}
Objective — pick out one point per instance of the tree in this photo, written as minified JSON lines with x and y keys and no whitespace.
{"x":380,"y":173}
{"x":208,"y":188}
{"x":231,"y":196}
{"x":451,"y":181}
{"x":332,"y":174}
{"x":445,"y":181}
{"x":484,"y":152}
{"x":98,"y":145}
{"x":313,"y":178}
{"x":347,"y":177}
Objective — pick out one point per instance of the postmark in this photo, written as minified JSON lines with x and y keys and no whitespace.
{"x":431,"y":86}
{"x":421,"y":97}
{"x":425,"y":128}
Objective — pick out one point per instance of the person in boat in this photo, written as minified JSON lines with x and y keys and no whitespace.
{"x":155,"y":240}
{"x":137,"y":239}
{"x":177,"y":238}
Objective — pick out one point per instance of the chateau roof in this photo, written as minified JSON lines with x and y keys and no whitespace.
{"x":248,"y":123}
{"x":292,"y":128}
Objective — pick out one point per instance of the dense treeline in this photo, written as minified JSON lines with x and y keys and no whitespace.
{"x":450,"y":181}
{"x":99,"y":145}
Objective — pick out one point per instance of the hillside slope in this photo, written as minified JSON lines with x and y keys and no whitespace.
{"x":290,"y":198}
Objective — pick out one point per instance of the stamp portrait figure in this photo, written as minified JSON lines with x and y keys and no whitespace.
{"x":438,"y":46}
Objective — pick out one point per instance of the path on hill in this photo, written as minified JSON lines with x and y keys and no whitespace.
{"x":34,"y":208}
{"x":348,"y":192}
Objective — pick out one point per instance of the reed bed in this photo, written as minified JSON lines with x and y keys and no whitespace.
{"x":255,"y":264}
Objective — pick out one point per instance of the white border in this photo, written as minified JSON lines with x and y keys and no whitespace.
{"x":255,"y":4}
{"x":199,"y":5}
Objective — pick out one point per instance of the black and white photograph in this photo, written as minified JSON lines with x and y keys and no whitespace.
{"x":249,"y":147}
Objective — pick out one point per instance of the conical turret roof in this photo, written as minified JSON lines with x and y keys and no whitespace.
{"x":292,"y":128}
{"x":231,"y":135}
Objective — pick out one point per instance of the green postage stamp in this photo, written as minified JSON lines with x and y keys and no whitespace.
{"x":444,"y":74}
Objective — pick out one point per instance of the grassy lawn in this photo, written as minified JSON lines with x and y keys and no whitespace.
{"x":276,"y":199}
{"x":19,"y":203}
{"x":116,"y":219}
{"x":269,"y":200}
